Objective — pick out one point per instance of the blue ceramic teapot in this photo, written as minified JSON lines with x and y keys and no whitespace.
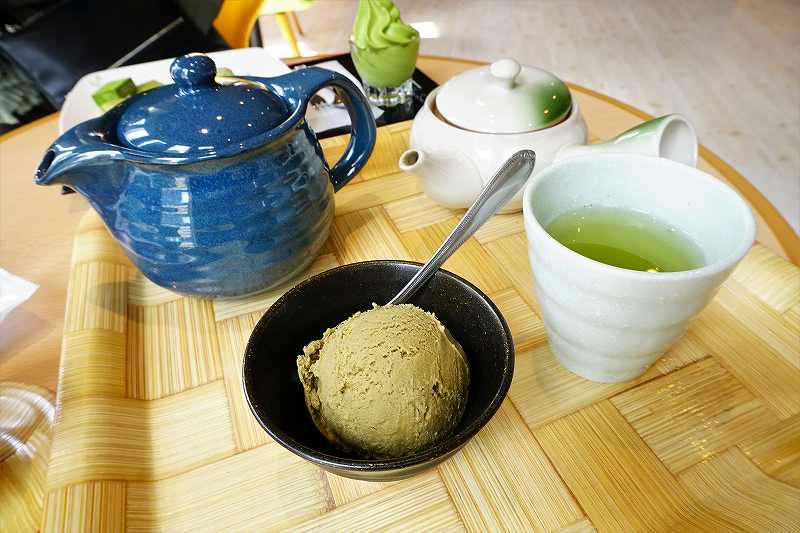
{"x":214,"y":190}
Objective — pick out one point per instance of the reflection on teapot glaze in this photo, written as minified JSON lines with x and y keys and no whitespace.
{"x":207,"y":199}
{"x":206,"y":226}
{"x":196,"y":115}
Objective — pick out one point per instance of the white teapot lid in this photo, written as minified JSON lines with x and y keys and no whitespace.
{"x":504,"y":97}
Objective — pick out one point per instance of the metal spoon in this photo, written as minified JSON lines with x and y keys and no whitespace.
{"x":505,"y":184}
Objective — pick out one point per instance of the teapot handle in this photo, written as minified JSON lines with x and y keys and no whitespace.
{"x":310,"y":80}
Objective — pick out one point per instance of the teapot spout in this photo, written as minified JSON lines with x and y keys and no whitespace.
{"x":411,"y":160}
{"x":82,"y":159}
{"x":447,"y":176}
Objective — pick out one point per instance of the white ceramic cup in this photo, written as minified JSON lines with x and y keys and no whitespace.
{"x":610,"y":324}
{"x":670,"y":136}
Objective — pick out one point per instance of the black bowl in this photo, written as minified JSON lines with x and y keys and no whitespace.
{"x":275,"y":394}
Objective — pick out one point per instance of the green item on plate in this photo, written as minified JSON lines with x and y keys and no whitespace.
{"x":146,"y":86}
{"x":113,"y":92}
{"x":384,"y":47}
{"x":116,"y":91}
{"x":108,"y":104}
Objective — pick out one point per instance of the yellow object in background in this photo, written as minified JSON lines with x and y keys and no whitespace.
{"x":236,"y":19}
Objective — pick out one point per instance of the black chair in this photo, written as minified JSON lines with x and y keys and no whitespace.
{"x":59,"y":42}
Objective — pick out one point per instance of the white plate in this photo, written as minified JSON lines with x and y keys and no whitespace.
{"x":79,"y":106}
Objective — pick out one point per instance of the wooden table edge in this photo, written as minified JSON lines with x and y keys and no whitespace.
{"x":787,"y":238}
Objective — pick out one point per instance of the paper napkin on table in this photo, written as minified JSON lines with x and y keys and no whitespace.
{"x":13,"y":291}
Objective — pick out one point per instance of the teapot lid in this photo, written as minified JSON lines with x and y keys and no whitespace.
{"x":504,"y":97}
{"x":196,"y":115}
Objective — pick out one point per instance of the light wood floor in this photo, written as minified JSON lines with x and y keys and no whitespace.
{"x":732,"y":67}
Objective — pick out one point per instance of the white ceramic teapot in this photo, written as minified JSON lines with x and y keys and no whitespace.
{"x":477,"y":119}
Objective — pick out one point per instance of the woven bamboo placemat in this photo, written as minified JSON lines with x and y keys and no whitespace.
{"x":153,"y":432}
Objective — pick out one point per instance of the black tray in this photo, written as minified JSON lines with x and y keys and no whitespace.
{"x":422,"y":84}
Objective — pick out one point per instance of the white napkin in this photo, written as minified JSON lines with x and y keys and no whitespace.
{"x":13,"y":291}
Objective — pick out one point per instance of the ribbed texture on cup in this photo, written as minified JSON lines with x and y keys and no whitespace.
{"x":611,"y":327}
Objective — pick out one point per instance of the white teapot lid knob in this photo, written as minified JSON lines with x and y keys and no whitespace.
{"x":505,"y":72}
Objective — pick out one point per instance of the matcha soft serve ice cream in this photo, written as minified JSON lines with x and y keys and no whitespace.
{"x":383,"y":47}
{"x":386,"y":382}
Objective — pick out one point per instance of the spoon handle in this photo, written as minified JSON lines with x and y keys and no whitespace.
{"x":503,"y":185}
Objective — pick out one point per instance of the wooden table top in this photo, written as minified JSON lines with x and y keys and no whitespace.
{"x":37,"y":226}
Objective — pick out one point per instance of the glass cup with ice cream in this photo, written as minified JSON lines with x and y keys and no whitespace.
{"x":384,"y":50}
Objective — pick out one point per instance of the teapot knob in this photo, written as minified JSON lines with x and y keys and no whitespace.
{"x":505,"y":72}
{"x":193,"y":71}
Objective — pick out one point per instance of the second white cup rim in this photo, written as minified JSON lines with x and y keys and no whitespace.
{"x":532,"y":224}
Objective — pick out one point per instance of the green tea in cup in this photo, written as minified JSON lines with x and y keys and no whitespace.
{"x":626,"y":238}
{"x":610,"y":324}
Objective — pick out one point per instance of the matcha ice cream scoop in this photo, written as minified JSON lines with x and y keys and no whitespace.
{"x":384,"y":47}
{"x":385,"y":382}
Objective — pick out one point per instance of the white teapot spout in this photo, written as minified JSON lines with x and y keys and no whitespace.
{"x":447,"y":176}
{"x":670,"y":136}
